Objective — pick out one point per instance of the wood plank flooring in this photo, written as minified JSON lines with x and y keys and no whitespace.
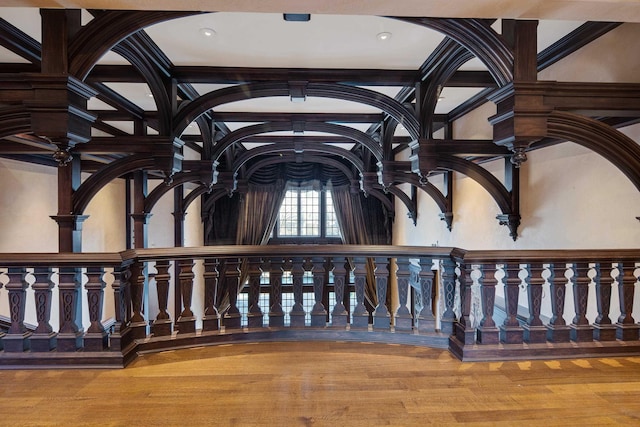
{"x":321,"y":384}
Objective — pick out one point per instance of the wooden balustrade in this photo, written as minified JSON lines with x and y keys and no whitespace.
{"x":534,"y":304}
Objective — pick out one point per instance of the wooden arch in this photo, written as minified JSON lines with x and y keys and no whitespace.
{"x":477,"y":36}
{"x":245,"y":132}
{"x":105,"y":31}
{"x":180,"y":178}
{"x":241,"y":92}
{"x":601,"y":138}
{"x":113,"y":170}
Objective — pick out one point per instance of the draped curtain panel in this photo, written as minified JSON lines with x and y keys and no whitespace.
{"x":363,"y":221}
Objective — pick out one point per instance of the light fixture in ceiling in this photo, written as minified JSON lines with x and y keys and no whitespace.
{"x":383,"y":36}
{"x":207,"y":32}
{"x":296,"y":17}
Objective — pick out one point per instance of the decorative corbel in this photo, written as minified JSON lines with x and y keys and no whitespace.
{"x":512,"y":221}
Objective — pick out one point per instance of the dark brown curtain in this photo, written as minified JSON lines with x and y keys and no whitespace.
{"x":363,"y":221}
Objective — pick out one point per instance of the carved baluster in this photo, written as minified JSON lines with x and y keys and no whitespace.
{"x":402,"y":317}
{"x":17,"y":337}
{"x":137,"y":286}
{"x":70,"y":332}
{"x":580,"y":329}
{"x":510,"y":330}
{"x":360,"y":315}
{"x":488,"y":333}
{"x":186,"y":323}
{"x":96,"y":338}
{"x":43,"y":338}
{"x":276,"y":314}
{"x":232,"y":317}
{"x":163,"y":325}
{"x":627,"y":329}
{"x":449,"y":290}
{"x":339,"y":315}
{"x":534,"y":330}
{"x":255,"y":317}
{"x":211,"y":318}
{"x":557,"y":329}
{"x":121,"y":336}
{"x":465,"y":333}
{"x":318,"y":313}
{"x":426,"y":318}
{"x":603,"y":328}
{"x":381,"y":315}
{"x":297,"y":315}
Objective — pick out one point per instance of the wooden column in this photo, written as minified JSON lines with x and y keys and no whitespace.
{"x":402,"y":319}
{"x":43,"y":338}
{"x":534,"y":330}
{"x":510,"y":330}
{"x":360,"y":315}
{"x":70,"y":332}
{"x":211,"y":318}
{"x":464,"y":331}
{"x":426,"y":318}
{"x":581,"y":330}
{"x":186,"y":322}
{"x":603,"y":328}
{"x":318,"y":313}
{"x":381,"y":315}
{"x":297,"y":314}
{"x":449,"y":291}
{"x":69,"y":224}
{"x":138,"y":282}
{"x":162,"y":325}
{"x":339,"y":315}
{"x":626,"y":327}
{"x":276,"y":314}
{"x":17,"y":338}
{"x":232,"y":317}
{"x":488,"y":333}
{"x":96,"y":338}
{"x":557,"y":329}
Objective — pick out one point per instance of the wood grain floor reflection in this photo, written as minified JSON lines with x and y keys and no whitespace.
{"x":318,"y":384}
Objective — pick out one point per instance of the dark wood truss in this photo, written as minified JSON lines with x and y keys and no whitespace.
{"x":43,"y":113}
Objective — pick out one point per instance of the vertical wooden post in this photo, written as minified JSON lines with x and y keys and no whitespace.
{"x":255,"y":317}
{"x":627,"y":329}
{"x":70,"y":332}
{"x":17,"y":338}
{"x":297,"y":314}
{"x":449,"y":291}
{"x":43,"y":338}
{"x":186,"y":323}
{"x":510,"y":330}
{"x":121,"y":336}
{"x":557,"y":329}
{"x":403,"y":319}
{"x":318,"y":312}
{"x":381,"y":315}
{"x":96,"y":338}
{"x":137,"y":289}
{"x":426,"y":318}
{"x":464,"y":331}
{"x":488,"y":333}
{"x":276,"y":314}
{"x":534,"y":330}
{"x":339,"y":315}
{"x":162,"y":325}
{"x":580,"y":329}
{"x":211,"y":318}
{"x":603,"y":328}
{"x":232,"y":317}
{"x":360,"y":315}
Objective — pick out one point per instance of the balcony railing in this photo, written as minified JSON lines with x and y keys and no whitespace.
{"x":102,"y":309}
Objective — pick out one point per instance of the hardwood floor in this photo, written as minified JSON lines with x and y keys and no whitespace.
{"x":304,"y":384}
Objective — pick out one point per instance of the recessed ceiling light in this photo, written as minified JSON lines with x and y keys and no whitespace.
{"x":207,"y":32}
{"x":383,"y":36}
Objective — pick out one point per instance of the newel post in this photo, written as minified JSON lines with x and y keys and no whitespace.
{"x":464,"y":331}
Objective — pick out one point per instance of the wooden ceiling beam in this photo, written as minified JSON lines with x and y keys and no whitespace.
{"x":253,"y":117}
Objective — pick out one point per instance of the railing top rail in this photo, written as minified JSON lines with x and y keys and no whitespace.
{"x":114,"y":259}
{"x":551,"y":256}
